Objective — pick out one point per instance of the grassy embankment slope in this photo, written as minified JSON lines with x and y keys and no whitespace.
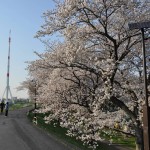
{"x":60,"y":133}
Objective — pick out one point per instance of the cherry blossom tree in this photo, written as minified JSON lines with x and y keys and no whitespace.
{"x":92,"y":78}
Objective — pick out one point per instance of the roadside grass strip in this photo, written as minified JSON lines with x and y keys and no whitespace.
{"x":59,"y":132}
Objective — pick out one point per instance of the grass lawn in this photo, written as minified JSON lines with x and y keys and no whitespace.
{"x":60,"y":133}
{"x":118,"y":138}
{"x":19,"y":105}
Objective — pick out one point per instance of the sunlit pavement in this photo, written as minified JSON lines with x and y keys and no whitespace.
{"x":17,"y":133}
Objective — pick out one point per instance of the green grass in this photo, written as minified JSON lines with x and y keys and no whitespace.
{"x":119,"y":138}
{"x":57,"y":130}
{"x":60,"y":133}
{"x":19,"y":105}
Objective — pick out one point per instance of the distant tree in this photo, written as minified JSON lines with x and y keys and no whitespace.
{"x":30,"y":86}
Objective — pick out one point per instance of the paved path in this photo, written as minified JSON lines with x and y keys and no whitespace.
{"x":17,"y":133}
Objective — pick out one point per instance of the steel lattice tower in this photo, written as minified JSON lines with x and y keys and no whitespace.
{"x":7,"y":89}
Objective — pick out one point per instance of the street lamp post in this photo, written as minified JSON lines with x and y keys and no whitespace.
{"x":146,"y":108}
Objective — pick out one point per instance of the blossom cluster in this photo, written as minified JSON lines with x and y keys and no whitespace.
{"x":93,"y":78}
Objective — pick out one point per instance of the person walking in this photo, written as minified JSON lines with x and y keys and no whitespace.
{"x":6,"y":108}
{"x":2,"y":106}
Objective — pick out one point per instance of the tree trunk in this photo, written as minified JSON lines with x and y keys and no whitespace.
{"x":139,"y":138}
{"x":138,"y":146}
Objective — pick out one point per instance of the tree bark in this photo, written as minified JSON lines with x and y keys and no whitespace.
{"x":139,"y":138}
{"x":138,"y":129}
{"x":138,"y":146}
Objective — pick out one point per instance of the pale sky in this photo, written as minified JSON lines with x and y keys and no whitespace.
{"x":24,"y":18}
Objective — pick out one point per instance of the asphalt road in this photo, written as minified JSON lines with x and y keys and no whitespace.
{"x":17,"y":133}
